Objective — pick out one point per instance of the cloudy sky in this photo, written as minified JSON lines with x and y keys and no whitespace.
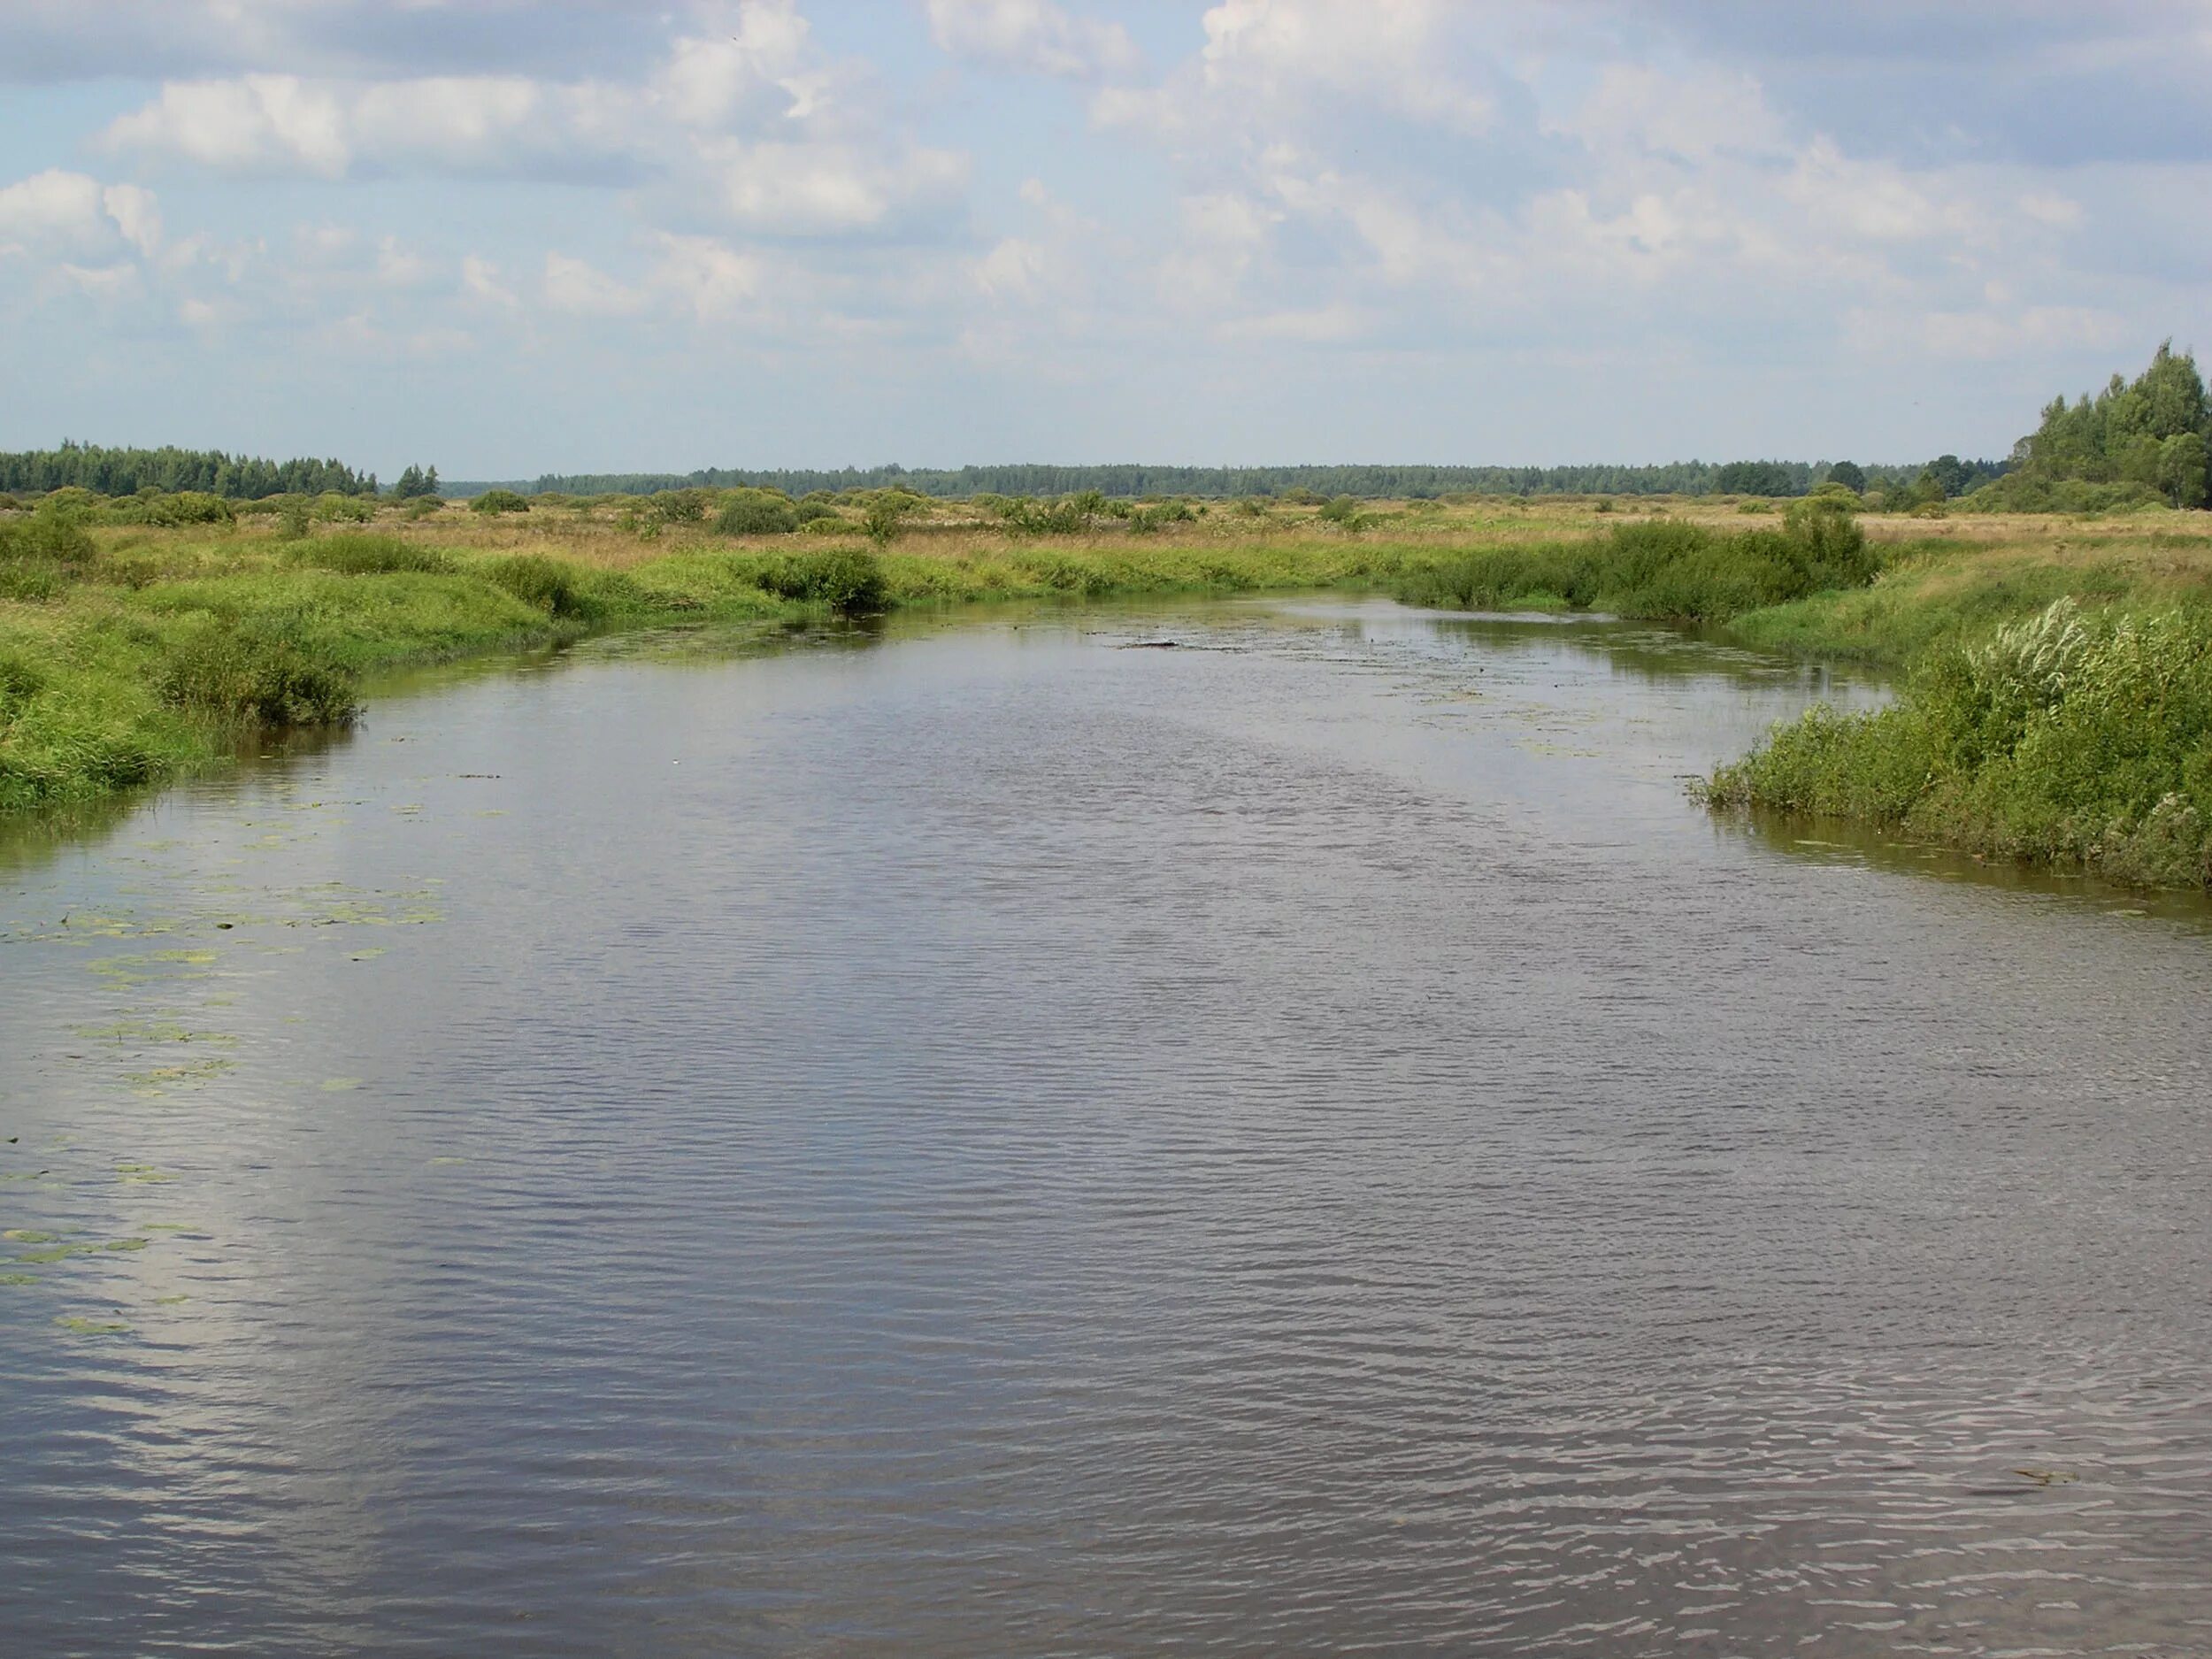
{"x":510,"y":236}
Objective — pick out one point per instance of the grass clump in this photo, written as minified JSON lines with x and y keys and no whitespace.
{"x":850,"y":580}
{"x":2069,"y":738}
{"x":1677,"y":571}
{"x":363,"y":554}
{"x":259,"y":675}
{"x":559,"y":590}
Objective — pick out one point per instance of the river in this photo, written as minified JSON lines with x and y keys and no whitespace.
{"x":970,"y":1138}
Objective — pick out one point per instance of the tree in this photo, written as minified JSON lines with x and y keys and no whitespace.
{"x":1850,"y":474}
{"x":2181,"y":469}
{"x":415,"y":483}
{"x":2149,"y":433}
{"x":1951,"y":474}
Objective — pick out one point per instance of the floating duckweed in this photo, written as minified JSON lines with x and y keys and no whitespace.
{"x":340,"y":1085}
{"x":142,"y":1173}
{"x":27,"y":1235}
{"x":121,"y":1246}
{"x":17,"y":1279}
{"x":170,"y":1302}
{"x":91,"y":1327}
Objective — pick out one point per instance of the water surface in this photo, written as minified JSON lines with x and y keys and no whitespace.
{"x":970,"y":1138}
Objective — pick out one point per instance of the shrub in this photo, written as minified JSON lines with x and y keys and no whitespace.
{"x":332,"y":508}
{"x":1147,"y":521}
{"x":757,"y":513}
{"x":2062,"y":739}
{"x":356,"y":554}
{"x":680,"y":506}
{"x":848,"y":580}
{"x":292,"y":513}
{"x":8,"y":503}
{"x":887,"y":515}
{"x":52,"y":535}
{"x":1342,"y":511}
{"x":261,"y":676}
{"x":494,"y":502}
{"x":189,"y":506}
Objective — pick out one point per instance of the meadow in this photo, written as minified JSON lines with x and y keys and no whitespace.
{"x":146,"y":637}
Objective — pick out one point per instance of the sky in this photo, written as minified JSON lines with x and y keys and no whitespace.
{"x":508,"y":237}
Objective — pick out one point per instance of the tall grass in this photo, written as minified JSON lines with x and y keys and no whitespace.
{"x":2071,"y":738}
{"x":1679,"y":571}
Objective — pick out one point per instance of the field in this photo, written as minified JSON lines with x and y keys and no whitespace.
{"x":132,"y":649}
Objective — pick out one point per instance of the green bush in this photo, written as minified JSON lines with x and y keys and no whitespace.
{"x":680,"y":506}
{"x":2065,"y":739}
{"x":758,"y":512}
{"x":494,"y":502}
{"x":332,"y":508}
{"x":887,"y":515}
{"x":260,"y":676}
{"x":1344,"y":510}
{"x":188,"y":506}
{"x":293,"y":514}
{"x":52,"y":535}
{"x":848,"y":580}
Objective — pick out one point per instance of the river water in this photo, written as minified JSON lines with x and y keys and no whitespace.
{"x":970,"y":1138}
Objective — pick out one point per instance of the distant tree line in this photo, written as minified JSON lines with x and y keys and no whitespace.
{"x":1679,"y":478}
{"x":125,"y":471}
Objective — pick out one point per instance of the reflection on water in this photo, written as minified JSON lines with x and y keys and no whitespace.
{"x":968,"y":1138}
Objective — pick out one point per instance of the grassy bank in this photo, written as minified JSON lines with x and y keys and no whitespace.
{"x":2057,"y":707}
{"x":138,"y":640}
{"x":134,"y":651}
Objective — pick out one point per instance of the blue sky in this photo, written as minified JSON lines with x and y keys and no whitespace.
{"x":510,"y":238}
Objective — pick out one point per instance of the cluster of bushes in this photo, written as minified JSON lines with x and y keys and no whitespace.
{"x":2067,"y":739}
{"x":1678,"y":570}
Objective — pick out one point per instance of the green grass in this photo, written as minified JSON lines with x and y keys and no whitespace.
{"x":1682,"y":572}
{"x":2072,"y":738}
{"x":132,"y":658}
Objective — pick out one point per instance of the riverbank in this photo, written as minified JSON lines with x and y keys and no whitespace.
{"x":135,"y":652}
{"x":2057,"y":707}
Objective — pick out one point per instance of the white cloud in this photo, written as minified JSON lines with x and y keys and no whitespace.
{"x":480,"y":279}
{"x":259,"y":123}
{"x":712,"y":281}
{"x":62,"y":212}
{"x":1034,"y":35}
{"x":583,"y":291}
